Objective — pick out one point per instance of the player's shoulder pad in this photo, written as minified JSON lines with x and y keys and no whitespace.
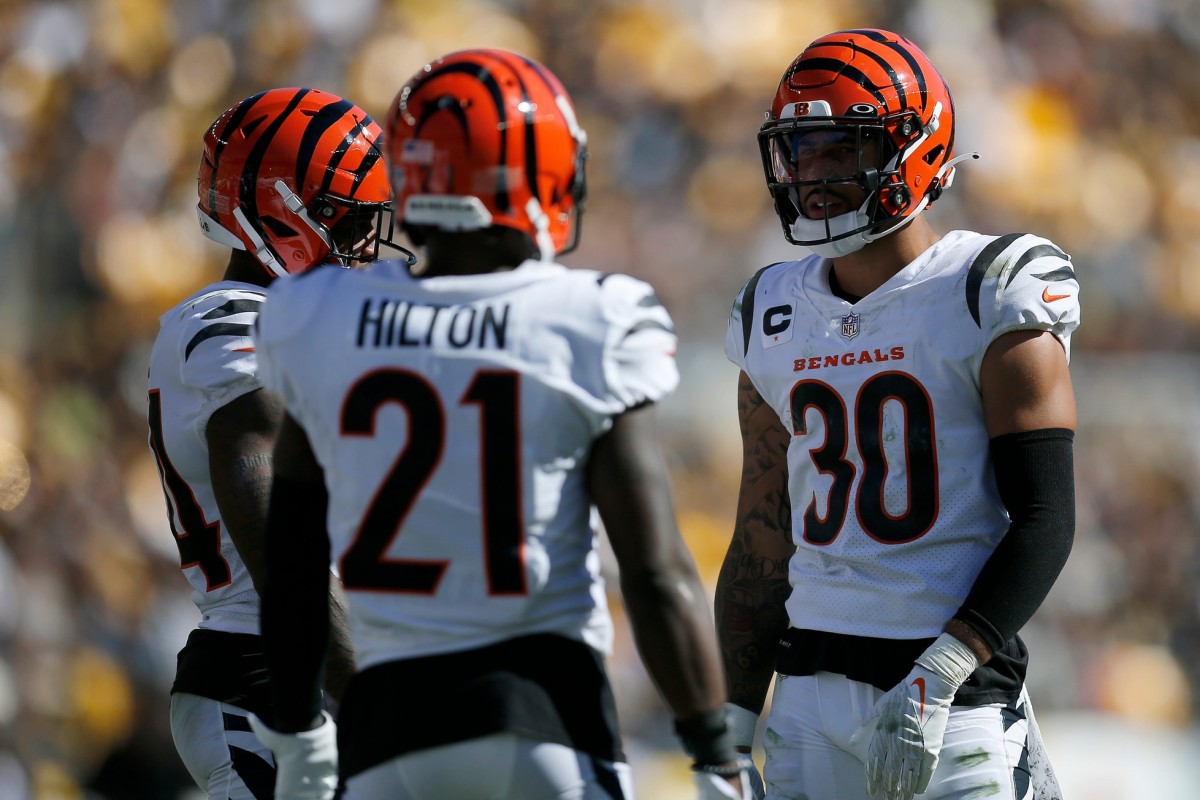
{"x":742,"y":313}
{"x":627,"y":300}
{"x":294,"y":300}
{"x":218,"y":316}
{"x":1024,"y":273}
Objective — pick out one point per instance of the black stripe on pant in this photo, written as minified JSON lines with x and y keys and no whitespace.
{"x":256,"y":772}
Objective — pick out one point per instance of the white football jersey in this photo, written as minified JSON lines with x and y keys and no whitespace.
{"x":203,"y":359}
{"x":453,"y":417}
{"x":894,"y":502}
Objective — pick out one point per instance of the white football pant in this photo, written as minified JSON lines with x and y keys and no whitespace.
{"x":224,"y":757}
{"x":808,"y":753}
{"x":498,"y":767}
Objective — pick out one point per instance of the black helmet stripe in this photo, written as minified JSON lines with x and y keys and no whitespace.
{"x":248,"y":198}
{"x":858,"y":77}
{"x":373,"y":155}
{"x":579,"y":186}
{"x":447,"y":103}
{"x":322,"y":120}
{"x":359,"y":129}
{"x":842,"y":69}
{"x":906,"y":54}
{"x":531,"y":152}
{"x":235,"y":119}
{"x":481,"y":73}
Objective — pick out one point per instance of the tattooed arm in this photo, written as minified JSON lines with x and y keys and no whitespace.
{"x":753,"y":583}
{"x":241,"y":435}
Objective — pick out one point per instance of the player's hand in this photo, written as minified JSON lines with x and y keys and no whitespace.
{"x":735,"y":787}
{"x":906,"y":730}
{"x":306,"y":763}
{"x":743,"y":723}
{"x":906,"y":735}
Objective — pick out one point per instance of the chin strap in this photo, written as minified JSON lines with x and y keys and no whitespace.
{"x":940,"y":183}
{"x":261,"y":250}
{"x":541,"y":224}
{"x":945,"y":177}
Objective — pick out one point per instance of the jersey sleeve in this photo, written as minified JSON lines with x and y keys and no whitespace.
{"x":1030,"y":284}
{"x":741,"y":319}
{"x":639,"y":353}
{"x":281,"y":317}
{"x":735,"y":331}
{"x":218,"y":358}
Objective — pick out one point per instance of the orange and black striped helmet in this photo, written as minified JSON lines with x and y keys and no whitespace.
{"x":296,"y":177}
{"x":488,"y":137}
{"x":876,"y":96}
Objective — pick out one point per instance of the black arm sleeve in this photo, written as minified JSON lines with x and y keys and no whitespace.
{"x":295,"y":602}
{"x":1035,"y":474}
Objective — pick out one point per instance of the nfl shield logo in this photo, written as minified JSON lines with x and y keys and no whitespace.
{"x":850,"y":325}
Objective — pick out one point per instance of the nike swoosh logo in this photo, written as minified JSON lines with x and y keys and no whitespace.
{"x":1050,"y":298}
{"x":920,"y":684}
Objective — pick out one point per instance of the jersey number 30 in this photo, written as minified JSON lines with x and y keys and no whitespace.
{"x":830,"y":457}
{"x":365,"y":565}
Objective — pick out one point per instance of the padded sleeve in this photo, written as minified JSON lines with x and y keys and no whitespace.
{"x":291,"y":302}
{"x":1026,"y":283}
{"x":639,"y":357}
{"x":735,"y":339}
{"x":1036,"y":478}
{"x":218,"y":357}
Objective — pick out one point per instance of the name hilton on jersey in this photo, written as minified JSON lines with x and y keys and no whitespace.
{"x":848,"y":359}
{"x":400,"y":323}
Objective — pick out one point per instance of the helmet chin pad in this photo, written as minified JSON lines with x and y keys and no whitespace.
{"x":833,"y":236}
{"x":848,"y":233}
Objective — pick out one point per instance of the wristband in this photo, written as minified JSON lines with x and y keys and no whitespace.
{"x":707,"y":739}
{"x":742,"y":763}
{"x":949,"y":658}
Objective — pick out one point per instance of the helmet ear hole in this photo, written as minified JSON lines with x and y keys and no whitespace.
{"x":934,"y":154}
{"x":277,"y":227}
{"x":322,"y":208}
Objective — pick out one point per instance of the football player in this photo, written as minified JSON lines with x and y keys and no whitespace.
{"x":455,"y":429}
{"x":289,"y":178}
{"x":907,"y":496}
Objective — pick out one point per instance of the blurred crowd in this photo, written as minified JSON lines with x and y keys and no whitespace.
{"x":1087,"y":116}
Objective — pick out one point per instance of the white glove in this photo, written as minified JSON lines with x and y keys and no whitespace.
{"x":715,"y":787}
{"x":743,"y":723}
{"x":306,"y":763}
{"x":910,"y":720}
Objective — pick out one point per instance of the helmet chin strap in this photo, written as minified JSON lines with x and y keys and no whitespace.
{"x":261,"y":251}
{"x":541,"y":224}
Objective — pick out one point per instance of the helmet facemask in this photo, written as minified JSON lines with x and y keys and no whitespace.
{"x":818,"y":168}
{"x":357,"y":230}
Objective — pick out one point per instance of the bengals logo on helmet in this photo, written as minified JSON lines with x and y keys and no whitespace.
{"x":488,"y":137}
{"x":296,"y":177}
{"x":881,"y":93}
